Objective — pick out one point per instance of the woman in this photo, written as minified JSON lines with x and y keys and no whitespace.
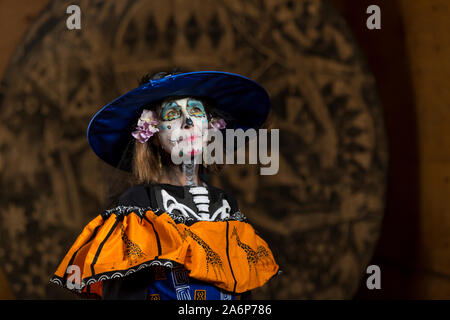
{"x":172,"y":235}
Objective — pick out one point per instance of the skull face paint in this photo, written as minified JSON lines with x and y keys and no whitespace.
{"x":183,"y":128}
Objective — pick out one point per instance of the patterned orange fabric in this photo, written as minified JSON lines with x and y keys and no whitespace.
{"x":227,"y":254}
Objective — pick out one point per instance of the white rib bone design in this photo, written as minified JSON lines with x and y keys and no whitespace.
{"x":175,"y":205}
{"x":223,"y":211}
{"x":201,"y":200}
{"x":202,"y":203}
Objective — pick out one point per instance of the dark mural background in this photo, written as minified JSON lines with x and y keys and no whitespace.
{"x":322,"y":212}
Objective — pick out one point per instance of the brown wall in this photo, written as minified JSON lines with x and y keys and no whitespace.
{"x":15,"y":19}
{"x":409,"y":58}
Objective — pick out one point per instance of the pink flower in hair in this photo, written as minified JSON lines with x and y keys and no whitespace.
{"x":146,"y":126}
{"x":217,"y":124}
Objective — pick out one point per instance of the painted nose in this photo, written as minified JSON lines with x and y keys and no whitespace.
{"x":188,"y":123}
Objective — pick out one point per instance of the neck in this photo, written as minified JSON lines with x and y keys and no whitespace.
{"x":190,"y":174}
{"x":182,"y":175}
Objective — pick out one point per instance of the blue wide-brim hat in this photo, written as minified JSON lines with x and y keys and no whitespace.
{"x":245,"y":102}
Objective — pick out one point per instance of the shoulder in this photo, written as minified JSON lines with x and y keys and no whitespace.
{"x":222,"y":194}
{"x":135,"y":196}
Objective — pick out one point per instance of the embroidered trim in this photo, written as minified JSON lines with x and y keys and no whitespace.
{"x":112,"y":274}
{"x":122,"y":211}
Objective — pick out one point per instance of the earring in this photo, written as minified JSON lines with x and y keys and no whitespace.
{"x":159,"y":161}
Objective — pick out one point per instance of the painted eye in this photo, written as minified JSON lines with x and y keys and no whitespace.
{"x":173,"y":114}
{"x":195,"y":111}
{"x":170,"y":112}
{"x":196,"y":108}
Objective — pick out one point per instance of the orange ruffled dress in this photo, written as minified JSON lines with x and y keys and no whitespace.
{"x":207,"y":236}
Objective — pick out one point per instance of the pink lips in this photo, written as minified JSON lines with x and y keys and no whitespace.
{"x":195,"y":151}
{"x":191,"y":138}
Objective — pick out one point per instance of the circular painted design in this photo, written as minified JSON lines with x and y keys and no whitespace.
{"x":320,"y":214}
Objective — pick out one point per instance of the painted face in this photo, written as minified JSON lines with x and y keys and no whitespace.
{"x":183,"y":127}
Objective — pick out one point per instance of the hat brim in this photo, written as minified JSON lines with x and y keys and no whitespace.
{"x":109,"y":131}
